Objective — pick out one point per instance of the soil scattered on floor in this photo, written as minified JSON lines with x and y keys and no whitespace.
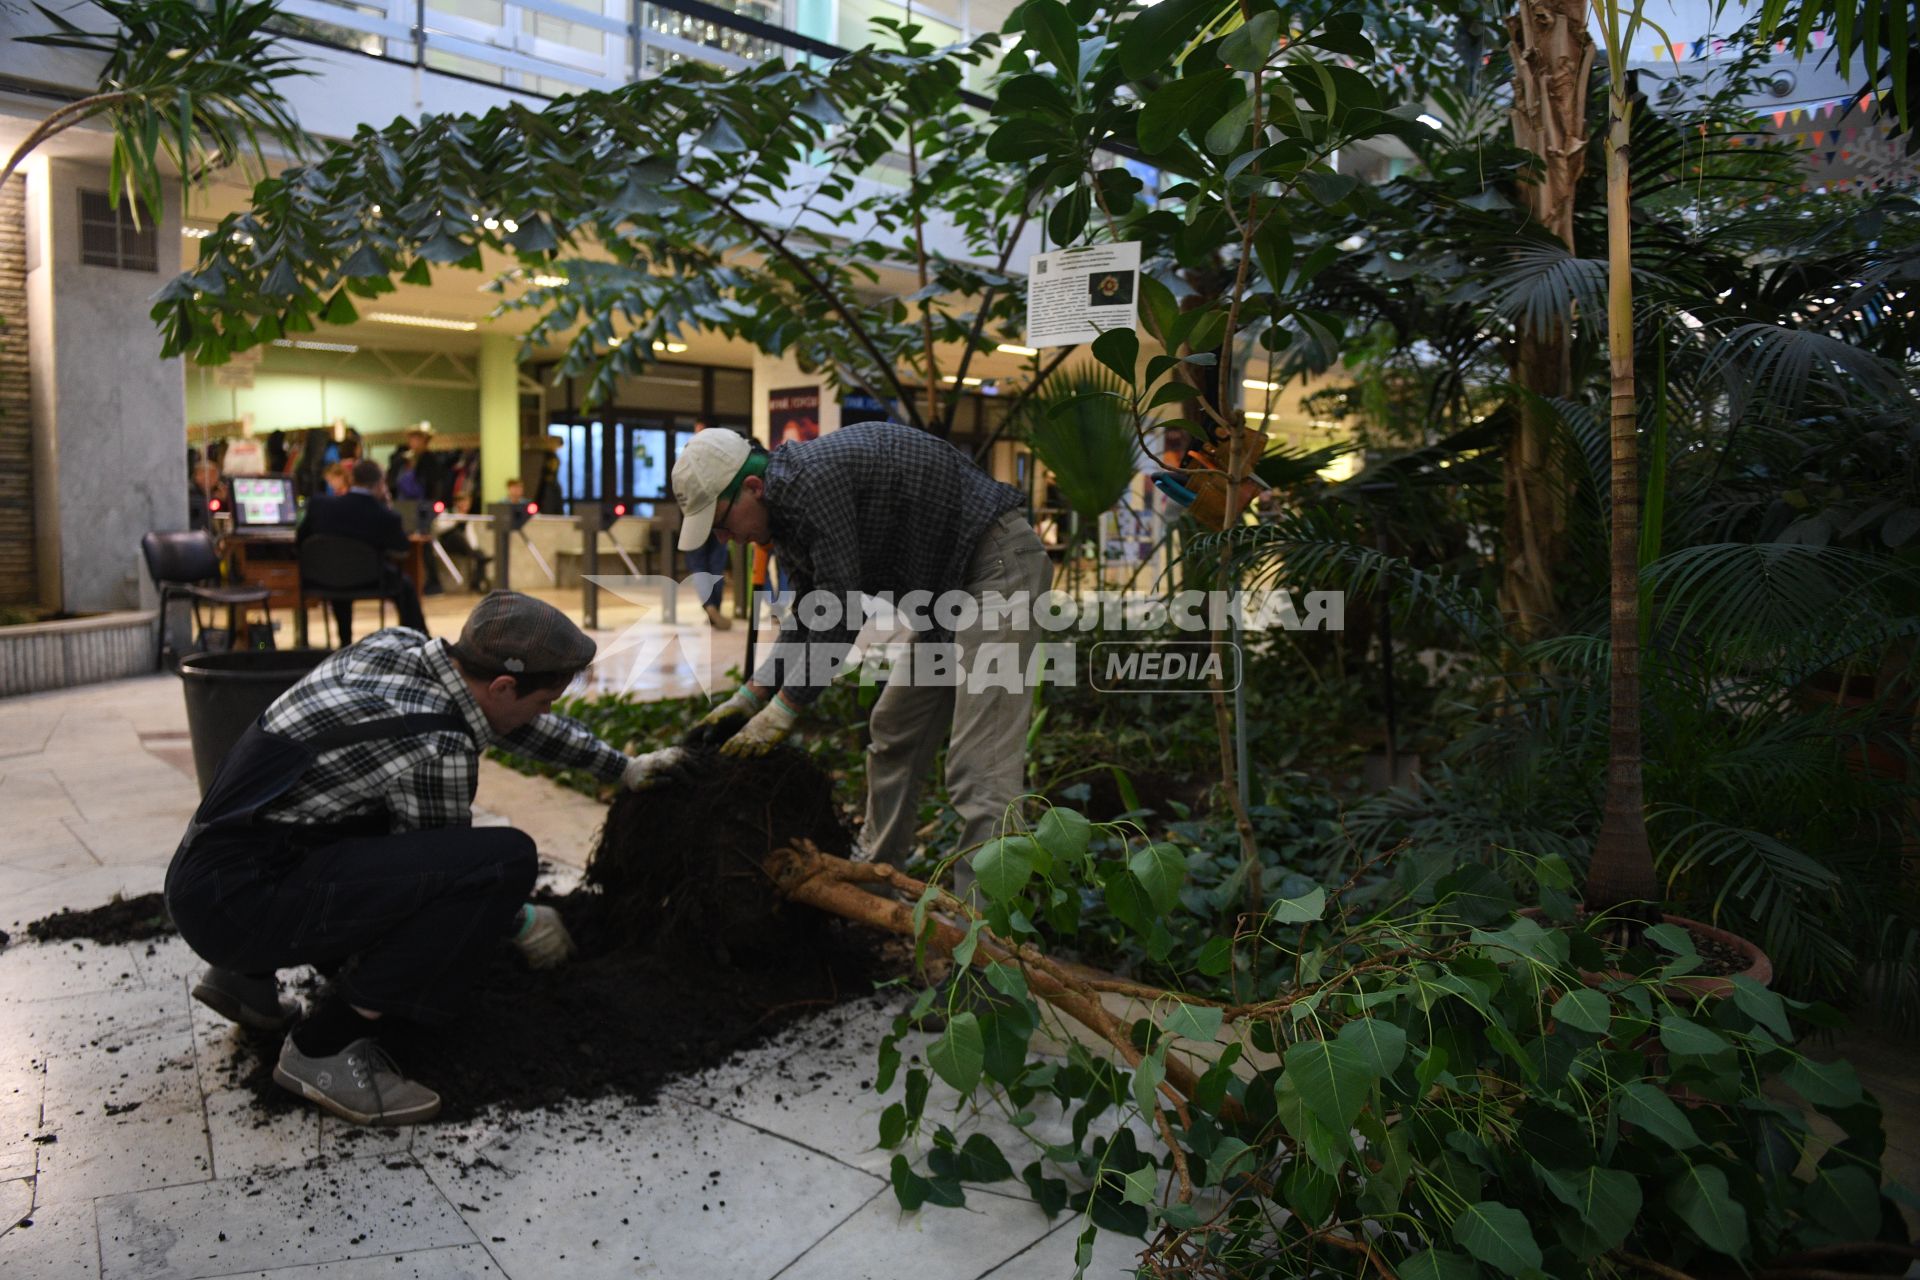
{"x":686,"y":954}
{"x":121,"y":920}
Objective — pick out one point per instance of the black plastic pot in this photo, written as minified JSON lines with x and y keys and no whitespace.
{"x":226,"y":692}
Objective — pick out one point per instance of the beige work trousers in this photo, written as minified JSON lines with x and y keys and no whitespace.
{"x":985,"y":728}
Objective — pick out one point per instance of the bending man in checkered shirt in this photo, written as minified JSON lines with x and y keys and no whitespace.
{"x":339,"y":833}
{"x":879,"y":509}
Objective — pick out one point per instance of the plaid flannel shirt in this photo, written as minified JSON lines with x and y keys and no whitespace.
{"x":420,"y":781}
{"x":871,"y":508}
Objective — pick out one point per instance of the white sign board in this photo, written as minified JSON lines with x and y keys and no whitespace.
{"x":1075,"y":295}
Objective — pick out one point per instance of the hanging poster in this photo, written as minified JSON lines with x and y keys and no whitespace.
{"x":1075,"y":295}
{"x":793,"y":415}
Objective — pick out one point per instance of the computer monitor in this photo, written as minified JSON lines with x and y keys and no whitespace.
{"x":263,"y":502}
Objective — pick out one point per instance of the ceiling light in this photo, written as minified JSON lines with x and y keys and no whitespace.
{"x":196,"y":233}
{"x":1013,"y":349}
{"x":422,"y":322}
{"x":673,"y":347}
{"x":550,"y":282}
{"x":1254,"y":384}
{"x":1250,"y":413}
{"x":347,"y":348}
{"x":967,"y":382}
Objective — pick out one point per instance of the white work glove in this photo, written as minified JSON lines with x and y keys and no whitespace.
{"x":723,"y":721}
{"x":764,"y":732}
{"x":543,"y":938}
{"x":670,"y":764}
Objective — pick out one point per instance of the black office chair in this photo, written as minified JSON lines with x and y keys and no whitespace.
{"x":343,"y":569}
{"x":187,"y":564}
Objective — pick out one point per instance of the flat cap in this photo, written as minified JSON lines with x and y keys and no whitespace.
{"x":511,"y":634}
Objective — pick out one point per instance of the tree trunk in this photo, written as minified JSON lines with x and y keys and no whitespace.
{"x":1622,"y":870}
{"x":1552,"y":63}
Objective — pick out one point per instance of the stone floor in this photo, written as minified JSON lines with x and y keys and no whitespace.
{"x":124,"y":1152}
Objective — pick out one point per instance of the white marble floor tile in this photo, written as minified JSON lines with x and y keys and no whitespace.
{"x":608,"y":1190}
{"x":34,"y":795}
{"x":275,"y":1218}
{"x":944,"y":1244}
{"x":136,"y":839}
{"x":61,"y":1244}
{"x":37,"y":971}
{"x":46,"y":846}
{"x":1053,"y":1257}
{"x":244,"y":1135}
{"x":82,"y":887}
{"x":455,"y":1262}
{"x":16,"y":1201}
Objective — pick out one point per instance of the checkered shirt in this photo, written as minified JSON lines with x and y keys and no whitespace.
{"x":420,"y":781}
{"x":872,"y":508}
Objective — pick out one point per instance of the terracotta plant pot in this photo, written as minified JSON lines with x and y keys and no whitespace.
{"x":1759,"y":967}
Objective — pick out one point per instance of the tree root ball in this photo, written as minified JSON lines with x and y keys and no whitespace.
{"x":680,"y":865}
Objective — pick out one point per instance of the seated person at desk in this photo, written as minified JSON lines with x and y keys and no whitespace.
{"x":206,"y":494}
{"x":362,"y":513}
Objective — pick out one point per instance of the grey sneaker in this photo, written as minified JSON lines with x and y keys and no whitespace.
{"x":360,"y":1084}
{"x":251,"y":1002}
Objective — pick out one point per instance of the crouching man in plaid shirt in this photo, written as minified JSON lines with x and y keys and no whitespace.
{"x":339,"y":833}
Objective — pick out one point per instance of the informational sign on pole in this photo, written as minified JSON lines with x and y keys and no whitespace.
{"x":1075,"y":295}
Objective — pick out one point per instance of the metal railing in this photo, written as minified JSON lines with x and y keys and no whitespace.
{"x":550,"y":47}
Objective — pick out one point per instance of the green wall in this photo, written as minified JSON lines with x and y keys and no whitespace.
{"x":293,"y":389}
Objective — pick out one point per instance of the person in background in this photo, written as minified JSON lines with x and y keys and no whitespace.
{"x":339,"y":478}
{"x":457,"y":544}
{"x":362,"y":514}
{"x":711,"y":557}
{"x":516,"y":491}
{"x":203,"y":491}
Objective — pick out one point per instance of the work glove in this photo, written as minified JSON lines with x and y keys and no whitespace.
{"x":543,"y":938}
{"x":723,"y":721}
{"x":651,"y":769}
{"x":767,"y":730}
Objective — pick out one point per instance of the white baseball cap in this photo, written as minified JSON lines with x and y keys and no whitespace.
{"x":706,"y":466}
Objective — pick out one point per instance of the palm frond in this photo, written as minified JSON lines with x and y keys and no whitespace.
{"x":1542,"y":288}
{"x":1771,"y":367}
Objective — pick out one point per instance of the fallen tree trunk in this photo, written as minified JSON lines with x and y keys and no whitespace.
{"x":820,"y":880}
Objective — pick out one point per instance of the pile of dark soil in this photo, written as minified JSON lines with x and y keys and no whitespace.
{"x":121,"y":920}
{"x":686,"y":955}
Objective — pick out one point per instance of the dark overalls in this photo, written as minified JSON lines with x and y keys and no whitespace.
{"x":413,"y":912}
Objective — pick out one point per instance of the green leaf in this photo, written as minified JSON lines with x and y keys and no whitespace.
{"x":1160,"y":869}
{"x":1069,"y":215}
{"x":1127,"y":899}
{"x":1682,"y":1035}
{"x":1307,"y":907}
{"x":1158,"y":31}
{"x":1824,"y":1084}
{"x":1147,"y":1078}
{"x":1160,"y":309}
{"x":977,"y":1160}
{"x":1499,"y":1236}
{"x":1607,"y":1200}
{"x":893,"y":1125}
{"x":535,"y":235}
{"x":1584,"y":1010}
{"x":1705,"y":1203}
{"x":1174,"y":391}
{"x":1846,"y":1201}
{"x":1171,"y":108}
{"x":1438,"y":1264}
{"x":1382,"y":1045}
{"x":1645,"y":1106}
{"x":1049,"y":1193}
{"x":418,"y":273}
{"x":1251,"y":44}
{"x":1005,"y":1031}
{"x":1003,"y":866}
{"x":1230,"y":1156}
{"x":1333,"y":1080}
{"x":1142,"y":1186}
{"x":959,"y":1055}
{"x":1119,"y":350}
{"x":1225,"y":133}
{"x":1763,"y":1006}
{"x":1194,"y":1022}
{"x":1215,"y":958}
{"x":1053,"y":35}
{"x":363,"y":263}
{"x":340,"y":309}
{"x":1063,"y":834}
{"x":909,"y":1188}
